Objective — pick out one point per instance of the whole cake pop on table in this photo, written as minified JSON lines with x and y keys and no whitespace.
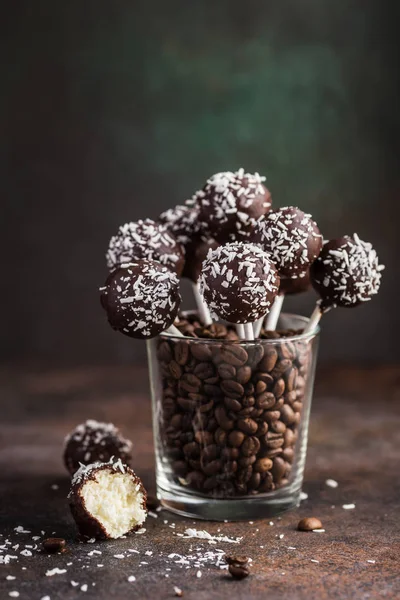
{"x":230,"y":204}
{"x":346,"y":273}
{"x":145,"y":239}
{"x":239,"y":283}
{"x":293,"y":241}
{"x":141,"y":299}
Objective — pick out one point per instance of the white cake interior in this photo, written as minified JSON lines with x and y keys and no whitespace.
{"x":115,"y":500}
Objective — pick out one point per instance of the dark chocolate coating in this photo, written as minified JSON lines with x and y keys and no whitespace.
{"x":145,"y":239}
{"x":239,"y":282}
{"x":196,"y":253}
{"x":141,"y":298}
{"x":88,"y":525}
{"x":93,"y":441}
{"x":231,"y":203}
{"x":298,"y":285}
{"x":292,"y":239}
{"x":346,"y":273}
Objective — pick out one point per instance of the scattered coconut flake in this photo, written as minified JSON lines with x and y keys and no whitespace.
{"x":74,"y":583}
{"x":94,"y":552}
{"x":45,"y":598}
{"x":205,"y":535}
{"x":303,"y":496}
{"x":119,"y":555}
{"x":152,"y":514}
{"x":140,"y":531}
{"x":132,"y":550}
{"x":371,"y":561}
{"x":91,"y":541}
{"x":20,"y":529}
{"x":100,"y":565}
{"x":13,"y":594}
{"x":198,"y":574}
{"x":348,"y":506}
{"x":281,"y":536}
{"x":11,"y":577}
{"x":36,"y":538}
{"x":148,"y":552}
{"x":84,"y":587}
{"x":331,"y":483}
{"x":131,"y":578}
{"x":178,"y":592}
{"x":319,"y":530}
{"x":314,"y":561}
{"x":55,"y":571}
{"x":26,"y":553}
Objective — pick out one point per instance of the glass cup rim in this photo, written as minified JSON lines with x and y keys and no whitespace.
{"x":293,"y":338}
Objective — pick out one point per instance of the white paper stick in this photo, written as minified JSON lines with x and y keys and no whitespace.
{"x":248,"y":331}
{"x":202,"y":307}
{"x":257,"y":325}
{"x":240,"y":331}
{"x":273,"y":315}
{"x":314,"y":319}
{"x":173,"y":331}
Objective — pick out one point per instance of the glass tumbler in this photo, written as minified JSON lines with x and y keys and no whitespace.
{"x":230,"y":422}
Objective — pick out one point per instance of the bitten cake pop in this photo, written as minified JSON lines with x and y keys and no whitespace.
{"x":141,"y":298}
{"x":239,"y":282}
{"x":145,"y":239}
{"x":346,"y":273}
{"x":93,"y":441}
{"x":230,"y":204}
{"x":107,"y":500}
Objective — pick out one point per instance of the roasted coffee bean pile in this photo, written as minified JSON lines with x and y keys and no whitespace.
{"x":229,"y":413}
{"x":238,"y":566}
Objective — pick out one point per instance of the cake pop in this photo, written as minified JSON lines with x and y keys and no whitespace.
{"x":231,"y":203}
{"x":141,"y":298}
{"x":95,"y":442}
{"x":145,"y":239}
{"x":346,"y":273}
{"x":239,"y":282}
{"x":107,"y":500}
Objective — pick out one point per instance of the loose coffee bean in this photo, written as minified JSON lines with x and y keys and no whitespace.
{"x":212,"y":424}
{"x":181,"y":353}
{"x":249,"y":389}
{"x":243,"y":374}
{"x":239,"y":571}
{"x":278,"y":468}
{"x":175,"y":369}
{"x":273,"y":444}
{"x":279,"y":388}
{"x":226,"y":371}
{"x":288,"y":350}
{"x":232,"y":559}
{"x":287,"y":414}
{"x":54,"y":545}
{"x":248,"y":426}
{"x":278,"y":427}
{"x":232,"y":389}
{"x":232,"y":404}
{"x":201,"y":351}
{"x":176,"y":421}
{"x":204,"y":370}
{"x":250,"y":446}
{"x":236,"y":438}
{"x":195,"y":464}
{"x":269,"y":360}
{"x":206,"y":407}
{"x":233,"y":354}
{"x":263,"y":464}
{"x":190,"y":383}
{"x":309,"y":524}
{"x":256,"y":413}
{"x":265,"y":401}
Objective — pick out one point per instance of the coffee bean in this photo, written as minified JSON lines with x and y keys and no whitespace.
{"x":180,"y":467}
{"x":269,"y":360}
{"x":250,"y":446}
{"x":192,"y":449}
{"x":255,"y":353}
{"x":204,"y":370}
{"x":212,"y":424}
{"x":176,"y":421}
{"x":267,"y":484}
{"x":290,"y":378}
{"x":244,"y":412}
{"x":281,"y":367}
{"x":262,"y":428}
{"x":232,"y":559}
{"x":209,"y":453}
{"x":187,"y":403}
{"x":288,"y":454}
{"x":230,"y":468}
{"x":288,"y":350}
{"x":239,"y":571}
{"x":249,"y":389}
{"x":220,"y":436}
{"x":194,"y":464}
{"x":248,"y":426}
{"x":223,"y":420}
{"x":232,"y":389}
{"x":247,"y":461}
{"x":175,"y":369}
{"x":190,"y":383}
{"x":204,"y":438}
{"x":226,"y":371}
{"x":261,"y":386}
{"x":233,"y":354}
{"x":290,"y":397}
{"x":278,"y":426}
{"x":54,"y":545}
{"x":201,"y":351}
{"x":232,"y":404}
{"x":265,"y":401}
{"x":262,"y":465}
{"x":243,"y":374}
{"x":244,"y":474}
{"x":264,"y":377}
{"x":213,"y":467}
{"x":206,"y":407}
{"x":256,"y":413}
{"x":230,"y":453}
{"x":213,"y":390}
{"x":181,"y":352}
{"x":210,"y":483}
{"x":164,"y":352}
{"x":272,"y":452}
{"x":290,"y":438}
{"x":278,"y":468}
{"x":212,"y":380}
{"x":271,"y":415}
{"x":248,"y":401}
{"x":297,"y":406}
{"x":236,"y":438}
{"x":279,"y":388}
{"x":287,"y":414}
{"x":309,"y":524}
{"x":273,"y":444}
{"x":279,"y":403}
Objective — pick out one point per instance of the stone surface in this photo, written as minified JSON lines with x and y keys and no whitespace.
{"x":354,"y":439}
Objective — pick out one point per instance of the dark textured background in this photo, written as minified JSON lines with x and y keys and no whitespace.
{"x":112,"y":111}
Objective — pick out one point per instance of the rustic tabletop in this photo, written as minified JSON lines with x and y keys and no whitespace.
{"x":354,"y":440}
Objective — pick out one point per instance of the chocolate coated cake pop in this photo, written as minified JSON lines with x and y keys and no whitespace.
{"x":298,"y":285}
{"x":239,"y":282}
{"x":292,"y":239}
{"x":93,"y":441}
{"x":230,"y":204}
{"x":141,"y":298}
{"x":346,"y":273}
{"x":145,"y":239}
{"x":107,"y":500}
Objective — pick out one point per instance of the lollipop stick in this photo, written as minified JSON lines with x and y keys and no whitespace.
{"x":240,"y":331}
{"x":173,"y":331}
{"x":248,"y":331}
{"x":273,"y":315}
{"x":257,"y":326}
{"x":314,"y":319}
{"x":202,"y":307}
